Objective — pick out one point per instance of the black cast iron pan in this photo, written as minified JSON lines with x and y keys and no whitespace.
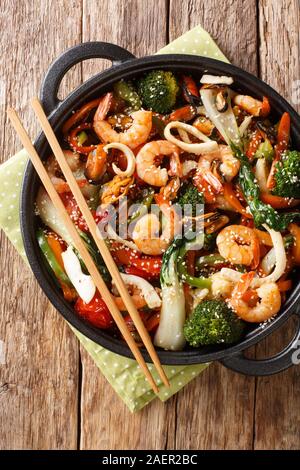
{"x":125,"y":65}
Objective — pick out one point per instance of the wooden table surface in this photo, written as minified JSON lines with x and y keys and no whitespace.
{"x":52,"y":396}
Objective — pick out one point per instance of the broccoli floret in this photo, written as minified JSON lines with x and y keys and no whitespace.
{"x":158,"y":90}
{"x":213,"y":322}
{"x":287,"y":175}
{"x":189,"y":194}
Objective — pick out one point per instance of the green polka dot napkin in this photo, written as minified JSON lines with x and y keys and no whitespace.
{"x":123,"y":374}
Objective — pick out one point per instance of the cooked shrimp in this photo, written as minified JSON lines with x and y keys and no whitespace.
{"x":239,"y":245}
{"x":136,"y":135}
{"x":220,"y":286}
{"x":248,"y":104}
{"x":146,"y":165}
{"x":136,"y":298}
{"x":146,"y":231}
{"x":268,"y":305}
{"x":170,"y":191}
{"x":229,"y":165}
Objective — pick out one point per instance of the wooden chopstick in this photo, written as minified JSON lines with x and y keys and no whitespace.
{"x":105,"y":253}
{"x":78,"y":243}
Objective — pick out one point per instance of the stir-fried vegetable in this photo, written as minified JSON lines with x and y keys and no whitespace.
{"x":262,"y":213}
{"x":190,"y":197}
{"x":95,"y":312}
{"x":287,"y":175}
{"x":125,"y":91}
{"x":183,"y":142}
{"x":83,"y":283}
{"x":213,"y":322}
{"x":225,"y":121}
{"x":158,"y":91}
{"x":169,"y":334}
{"x":51,"y":258}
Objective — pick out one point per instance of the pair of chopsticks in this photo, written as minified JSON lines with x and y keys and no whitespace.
{"x":78,"y":243}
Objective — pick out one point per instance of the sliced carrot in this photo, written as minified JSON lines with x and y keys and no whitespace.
{"x":70,"y":293}
{"x":232,"y":199}
{"x":264,"y":237}
{"x":254,"y":144}
{"x":283,"y":137}
{"x":278,"y":202}
{"x":153,"y":322}
{"x":186,"y":113}
{"x":56,"y":248}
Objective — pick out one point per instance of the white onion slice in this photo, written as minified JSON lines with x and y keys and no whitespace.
{"x":268,"y":261}
{"x":280,"y":256}
{"x":245,"y":124}
{"x":261,"y":174}
{"x":216,"y":80}
{"x":83,"y":283}
{"x":129,"y":156}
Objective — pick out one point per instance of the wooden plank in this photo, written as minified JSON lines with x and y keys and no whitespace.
{"x":277,"y":421}
{"x":39,"y":382}
{"x":106,"y":421}
{"x":216,"y":410}
{"x":231,"y":23}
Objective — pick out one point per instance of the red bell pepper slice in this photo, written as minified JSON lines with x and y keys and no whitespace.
{"x":95,"y":312}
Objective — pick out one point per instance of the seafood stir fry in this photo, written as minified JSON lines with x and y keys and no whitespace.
{"x":175,"y":141}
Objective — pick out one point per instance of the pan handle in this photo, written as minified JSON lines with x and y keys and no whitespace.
{"x":261,"y":367}
{"x":72,"y":56}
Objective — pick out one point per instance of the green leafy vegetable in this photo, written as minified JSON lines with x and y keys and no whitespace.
{"x":213,"y":322}
{"x":287,"y":175}
{"x":262,"y":213}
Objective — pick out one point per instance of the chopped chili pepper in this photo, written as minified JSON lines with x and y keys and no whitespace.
{"x":73,"y":140}
{"x":149,"y":264}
